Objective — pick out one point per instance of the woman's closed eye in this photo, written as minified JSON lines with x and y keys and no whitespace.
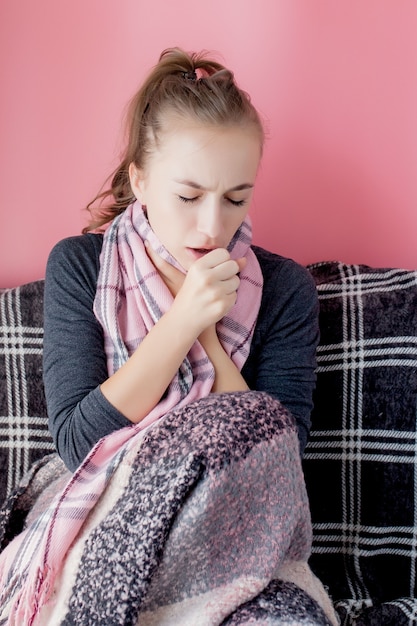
{"x":187,"y":200}
{"x":237,"y":203}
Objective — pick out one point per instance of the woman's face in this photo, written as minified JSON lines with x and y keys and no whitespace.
{"x":197,"y":187}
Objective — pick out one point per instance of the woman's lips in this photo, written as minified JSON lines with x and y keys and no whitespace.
{"x":197,"y":253}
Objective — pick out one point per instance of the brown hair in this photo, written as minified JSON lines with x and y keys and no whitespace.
{"x":181,"y":85}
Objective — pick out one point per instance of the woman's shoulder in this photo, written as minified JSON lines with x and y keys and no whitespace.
{"x":289,"y":294}
{"x":88,"y":246}
{"x":73,"y":264}
{"x":278,"y":270}
{"x":78,"y":252}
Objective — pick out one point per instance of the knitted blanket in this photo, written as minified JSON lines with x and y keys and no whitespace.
{"x":204,"y":522}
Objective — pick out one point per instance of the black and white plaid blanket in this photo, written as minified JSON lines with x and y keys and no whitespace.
{"x":361,"y":461}
{"x":24,"y":434}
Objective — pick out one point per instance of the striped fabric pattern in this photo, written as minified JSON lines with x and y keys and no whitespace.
{"x":24,"y":435}
{"x":361,"y":461}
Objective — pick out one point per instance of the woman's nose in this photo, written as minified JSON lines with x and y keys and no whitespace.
{"x":209,"y":220}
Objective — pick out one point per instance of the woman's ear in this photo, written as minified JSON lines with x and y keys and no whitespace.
{"x":136,"y":182}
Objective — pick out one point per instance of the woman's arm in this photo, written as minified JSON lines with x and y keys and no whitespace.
{"x":137,"y":387}
{"x":74,"y":361}
{"x":84,"y":404}
{"x":282,"y":359}
{"x":227,"y":375}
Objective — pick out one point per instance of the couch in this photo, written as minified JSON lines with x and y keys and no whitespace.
{"x":360,"y":463}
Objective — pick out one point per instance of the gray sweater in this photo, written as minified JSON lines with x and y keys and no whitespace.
{"x":281,"y":361}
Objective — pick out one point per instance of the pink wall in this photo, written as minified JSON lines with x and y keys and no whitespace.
{"x":337,"y":82}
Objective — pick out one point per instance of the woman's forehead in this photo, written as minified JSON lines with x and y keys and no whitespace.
{"x":204,"y":155}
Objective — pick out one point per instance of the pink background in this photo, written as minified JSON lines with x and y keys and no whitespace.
{"x":336,"y":80}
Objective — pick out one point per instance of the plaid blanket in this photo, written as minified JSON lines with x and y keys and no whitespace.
{"x":205,"y":521}
{"x":361,"y":462}
{"x":24,"y":434}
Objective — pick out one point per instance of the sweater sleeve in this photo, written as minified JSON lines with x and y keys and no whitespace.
{"x":74,"y":361}
{"x":282,"y":360}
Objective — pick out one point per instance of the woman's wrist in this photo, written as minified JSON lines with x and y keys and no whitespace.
{"x":185,"y":326}
{"x":209,"y":338}
{"x":227,"y":375}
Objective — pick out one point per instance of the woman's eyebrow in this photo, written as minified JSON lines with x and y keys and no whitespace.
{"x":190,"y":183}
{"x":242,"y":187}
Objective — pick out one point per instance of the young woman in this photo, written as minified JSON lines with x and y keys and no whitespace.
{"x":171,"y":338}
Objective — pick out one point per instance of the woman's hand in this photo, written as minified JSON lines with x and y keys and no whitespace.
{"x":209,"y":289}
{"x":206,"y":293}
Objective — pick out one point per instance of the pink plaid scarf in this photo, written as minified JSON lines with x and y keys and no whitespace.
{"x":132,"y":297}
{"x":127,"y":282}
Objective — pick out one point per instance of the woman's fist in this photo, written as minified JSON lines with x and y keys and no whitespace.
{"x":209,"y":289}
